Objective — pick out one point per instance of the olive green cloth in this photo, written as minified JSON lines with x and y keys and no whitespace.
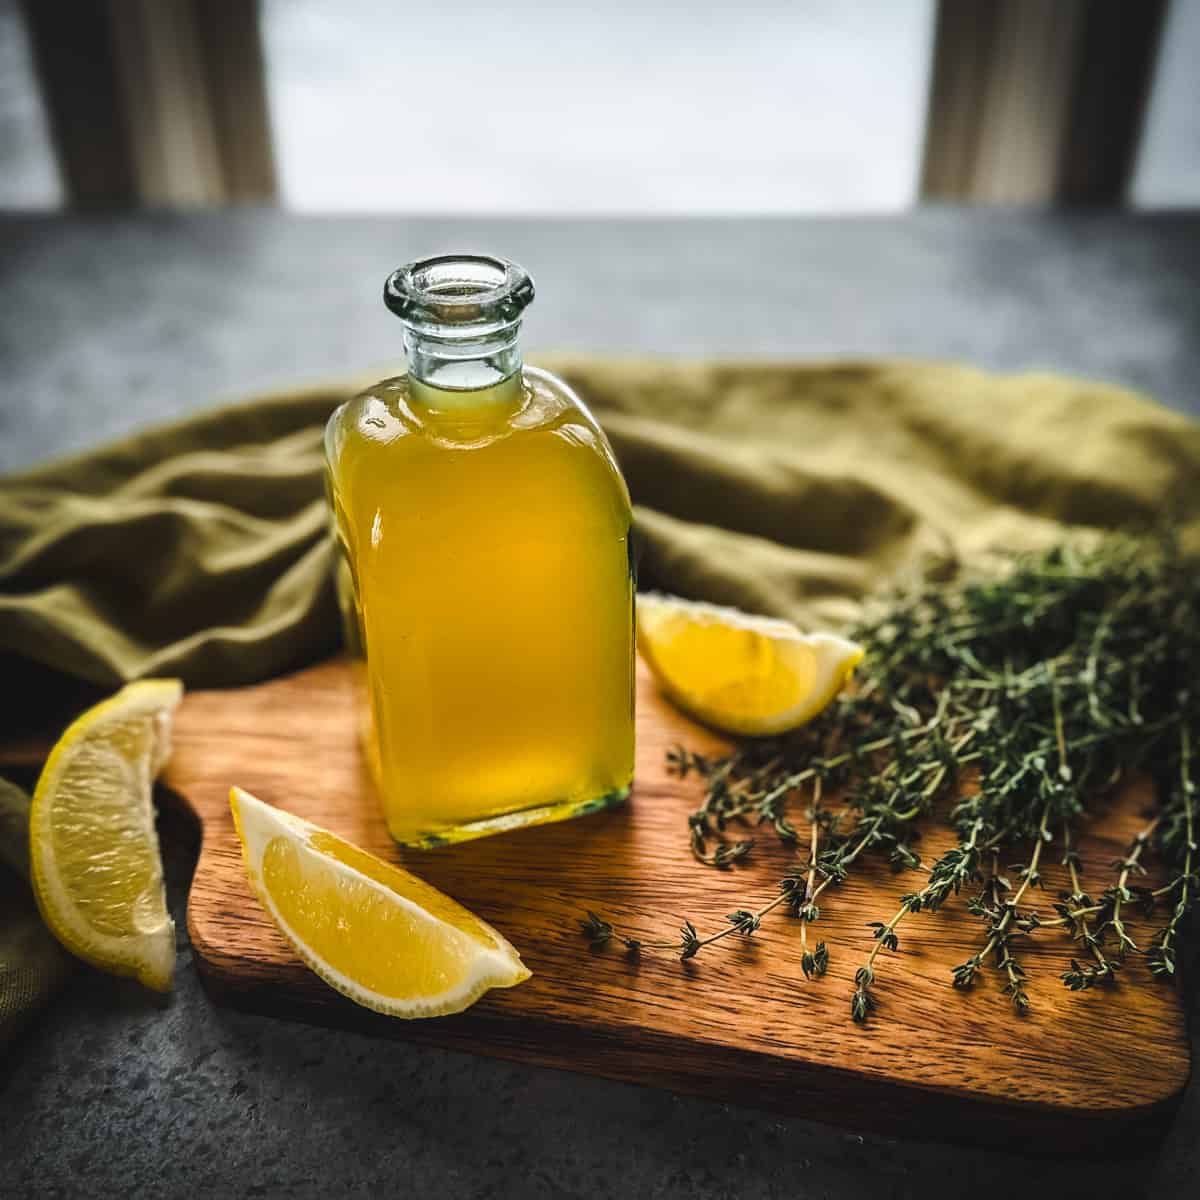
{"x":200,"y":549}
{"x":32,"y":964}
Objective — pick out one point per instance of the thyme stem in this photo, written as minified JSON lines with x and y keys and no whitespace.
{"x":812,"y":963}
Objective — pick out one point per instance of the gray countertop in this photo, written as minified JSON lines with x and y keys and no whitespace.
{"x":108,"y":324}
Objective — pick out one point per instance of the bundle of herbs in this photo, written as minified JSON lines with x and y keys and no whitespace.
{"x":1020,"y":696}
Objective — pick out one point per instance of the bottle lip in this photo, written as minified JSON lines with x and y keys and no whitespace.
{"x":459,"y":295}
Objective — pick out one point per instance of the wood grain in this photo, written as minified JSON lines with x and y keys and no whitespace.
{"x":740,"y":1022}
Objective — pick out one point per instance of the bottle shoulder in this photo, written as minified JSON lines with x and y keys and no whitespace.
{"x":386,"y":419}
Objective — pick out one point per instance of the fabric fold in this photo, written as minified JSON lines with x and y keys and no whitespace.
{"x":200,"y":548}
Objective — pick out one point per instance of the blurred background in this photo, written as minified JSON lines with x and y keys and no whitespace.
{"x":632,"y":107}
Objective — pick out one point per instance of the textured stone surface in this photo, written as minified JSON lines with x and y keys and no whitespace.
{"x":108,"y":324}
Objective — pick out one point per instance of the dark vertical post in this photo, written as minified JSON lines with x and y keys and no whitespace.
{"x":155,"y":102}
{"x":1036,"y":102}
{"x":1117,"y":58}
{"x":76,"y":68}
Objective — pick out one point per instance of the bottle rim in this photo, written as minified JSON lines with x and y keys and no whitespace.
{"x":459,"y":294}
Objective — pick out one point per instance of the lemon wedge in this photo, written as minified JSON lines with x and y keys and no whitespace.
{"x":93,"y":848}
{"x":371,"y":930}
{"x":737,"y":672}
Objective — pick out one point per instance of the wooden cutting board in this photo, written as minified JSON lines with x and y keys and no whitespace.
{"x":740,"y":1022}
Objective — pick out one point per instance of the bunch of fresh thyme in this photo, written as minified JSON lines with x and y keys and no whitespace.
{"x":1024,"y":696}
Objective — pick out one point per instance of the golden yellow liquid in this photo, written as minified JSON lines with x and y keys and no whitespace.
{"x":487,"y":581}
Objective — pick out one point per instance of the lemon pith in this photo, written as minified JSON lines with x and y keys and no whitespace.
{"x":737,"y":672}
{"x":369,"y":929}
{"x":93,"y":847}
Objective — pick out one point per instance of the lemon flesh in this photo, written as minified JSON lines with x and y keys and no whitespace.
{"x":369,"y":929}
{"x":737,"y":672}
{"x":93,"y":848}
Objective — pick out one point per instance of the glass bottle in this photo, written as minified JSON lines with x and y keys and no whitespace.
{"x":485,"y":573}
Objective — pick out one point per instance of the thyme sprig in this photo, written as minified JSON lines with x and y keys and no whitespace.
{"x":815,"y":962}
{"x":1020,"y":696}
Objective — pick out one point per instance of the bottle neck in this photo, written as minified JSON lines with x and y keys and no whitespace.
{"x":462,"y":318}
{"x":461,"y":370}
{"x":493,"y":401}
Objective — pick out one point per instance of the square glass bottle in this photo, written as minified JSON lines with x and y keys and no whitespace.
{"x":485,"y":572}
